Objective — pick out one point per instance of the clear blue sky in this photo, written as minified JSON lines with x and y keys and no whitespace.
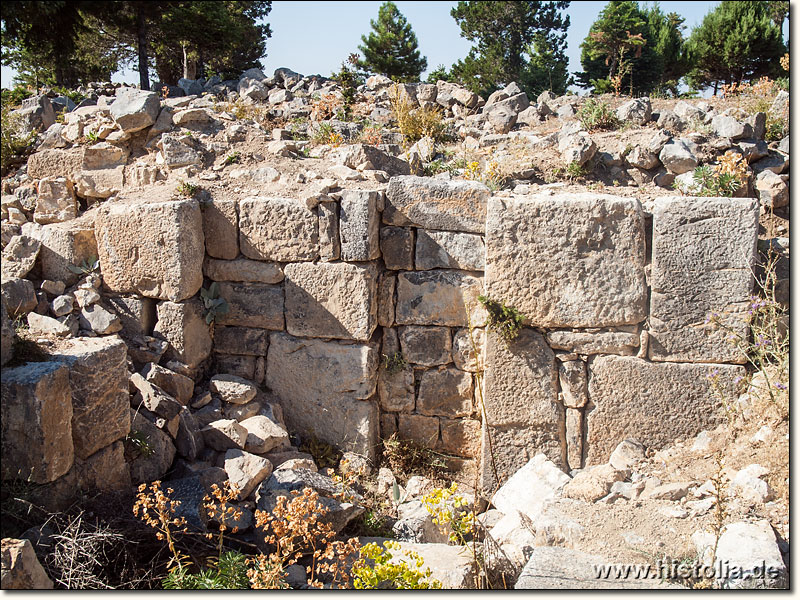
{"x":315,"y":37}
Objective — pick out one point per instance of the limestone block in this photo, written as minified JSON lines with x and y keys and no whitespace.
{"x":530,"y":488}
{"x":464,"y":353}
{"x":426,"y":346}
{"x":21,"y":568}
{"x":105,"y":470}
{"x":153,"y":465}
{"x":224,"y":434}
{"x":19,"y":256}
{"x":521,"y":398}
{"x":704,"y":250}
{"x":419,"y":429}
{"x":183,"y":326}
{"x":176,"y":385}
{"x":436,"y":204}
{"x":574,"y":434}
{"x":233,"y":389}
{"x":279,"y":229}
{"x":241,"y":340}
{"x":221,"y":228}
{"x":449,"y":250}
{"x":322,"y":386}
{"x":461,"y":437}
{"x":333,"y":300}
{"x":66,"y":244}
{"x":386,"y":286}
{"x":397,"y":248}
{"x":575,"y":261}
{"x":242,"y":269}
{"x":98,"y":375}
{"x":396,"y":390}
{"x":655,"y":403}
{"x":135,"y":109}
{"x":445,"y":392}
{"x":252,"y":305}
{"x":594,"y":342}
{"x":55,"y":201}
{"x":438,"y":298}
{"x":263,"y":434}
{"x":154,"y":249}
{"x":246,"y":471}
{"x":19,"y":296}
{"x":36,"y":422}
{"x":235,"y":364}
{"x":359,"y":221}
{"x":56,"y":163}
{"x":572,"y":378}
{"x":330,"y":247}
{"x":137,"y":314}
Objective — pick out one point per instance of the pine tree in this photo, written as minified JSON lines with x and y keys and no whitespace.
{"x":391,"y":48}
{"x":736,"y":41}
{"x":514,"y":41}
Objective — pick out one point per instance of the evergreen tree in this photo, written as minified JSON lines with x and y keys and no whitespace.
{"x":736,"y":41}
{"x":391,"y":47}
{"x":514,"y":41}
{"x":666,"y":39}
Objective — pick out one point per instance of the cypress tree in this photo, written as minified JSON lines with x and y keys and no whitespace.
{"x":391,"y":47}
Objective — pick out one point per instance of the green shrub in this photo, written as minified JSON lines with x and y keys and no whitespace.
{"x":596,"y":114}
{"x":504,"y":320}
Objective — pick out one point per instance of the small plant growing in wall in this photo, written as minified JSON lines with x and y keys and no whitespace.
{"x":504,"y":320}
{"x":86,"y":267}
{"x":214,"y":305}
{"x":395,"y":363}
{"x":187,"y":189}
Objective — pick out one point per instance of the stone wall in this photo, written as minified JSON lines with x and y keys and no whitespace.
{"x":359,"y":312}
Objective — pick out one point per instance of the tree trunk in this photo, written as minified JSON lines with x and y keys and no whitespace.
{"x":141,"y":36}
{"x":189,"y":65}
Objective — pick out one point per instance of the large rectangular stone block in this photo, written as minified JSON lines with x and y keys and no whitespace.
{"x":252,"y":305}
{"x":98,"y":377}
{"x":279,"y":229}
{"x":333,"y":300}
{"x":154,"y":249}
{"x":36,"y":422}
{"x":183,"y":326}
{"x":436,"y":204}
{"x":438,"y":298}
{"x":221,"y":228}
{"x":523,"y":414}
{"x":568,"y":261}
{"x":242,"y":269}
{"x":655,"y":403}
{"x":359,"y":221}
{"x":449,"y":250}
{"x":241,"y":340}
{"x":323,"y":387}
{"x":67,"y":244}
{"x":704,"y":251}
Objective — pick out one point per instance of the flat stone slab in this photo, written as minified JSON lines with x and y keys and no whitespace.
{"x":704,"y":250}
{"x":438,"y":297}
{"x":278,"y":229}
{"x":436,"y":204}
{"x":568,"y":261}
{"x":331,"y":300}
{"x":655,"y":403}
{"x":449,"y":250}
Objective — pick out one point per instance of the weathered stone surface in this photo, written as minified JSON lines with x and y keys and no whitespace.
{"x":772,"y":191}
{"x":183,"y":326}
{"x":449,"y":250}
{"x":565,"y":568}
{"x":642,"y":158}
{"x":521,"y":398}
{"x":36,"y":422}
{"x":397,"y":248}
{"x":600,"y":342}
{"x":263,"y":434}
{"x":576,"y":147}
{"x":299,"y":479}
{"x":19,"y":256}
{"x":703,"y":254}
{"x":66,"y":244}
{"x":43,"y":324}
{"x":21,"y":569}
{"x":574,"y":436}
{"x":530,"y":487}
{"x":224,"y":434}
{"x":176,"y":385}
{"x":438,"y":298}
{"x":151,"y":465}
{"x":246,"y":471}
{"x":279,"y":229}
{"x":243,"y":270}
{"x":445,"y":391}
{"x":154,"y":249}
{"x":235,"y":364}
{"x":572,"y":378}
{"x":188,"y":440}
{"x":154,"y":399}
{"x":322,"y":386}
{"x":19,"y":296}
{"x":656,"y":403}
{"x":396,"y":390}
{"x":637,"y":111}
{"x":232,"y":389}
{"x":334,"y":300}
{"x":99,"y":320}
{"x":252,"y":305}
{"x":357,"y":154}
{"x":592,"y":483}
{"x":105,"y":470}
{"x":726,"y":126}
{"x":436,"y":204}
{"x":750,"y":549}
{"x":55,"y":201}
{"x":330,"y":247}
{"x":56,"y":163}
{"x":177,"y":152}
{"x":427,"y":346}
{"x":574,"y":260}
{"x":241,"y":340}
{"x":98,"y":377}
{"x":422,"y":430}
{"x":464,"y":353}
{"x":221,"y":228}
{"x":135,"y":109}
{"x":386,"y":286}
{"x":461,"y":436}
{"x":358,"y":225}
{"x":137,"y":314}
{"x":8,"y":334}
{"x":677,"y":157}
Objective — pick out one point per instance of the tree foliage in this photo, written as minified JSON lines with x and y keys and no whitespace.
{"x":513,"y":41}
{"x":736,"y":41}
{"x":391,"y":48}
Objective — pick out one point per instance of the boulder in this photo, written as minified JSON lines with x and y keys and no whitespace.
{"x":246,"y":471}
{"x":21,"y":569}
{"x":263,"y":434}
{"x":530,"y":488}
{"x":750,"y":555}
{"x":134,"y":109}
{"x":66,"y":246}
{"x":726,"y":126}
{"x":224,"y":434}
{"x":677,"y":157}
{"x":183,"y":326}
{"x":771,"y":190}
{"x":357,"y":154}
{"x":153,"y":455}
{"x":637,"y":111}
{"x":19,"y":296}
